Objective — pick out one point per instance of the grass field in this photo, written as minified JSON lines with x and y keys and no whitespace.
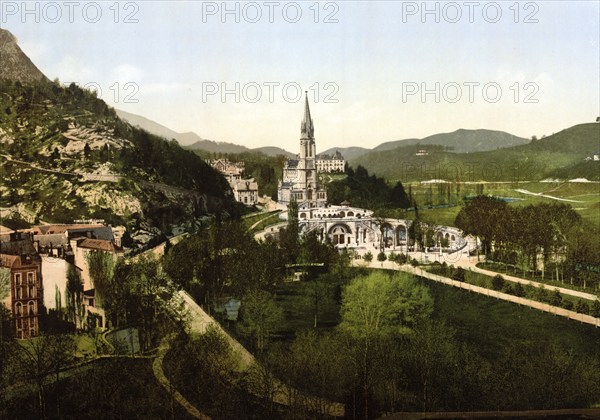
{"x":585,"y":196}
{"x":486,"y":323}
{"x":491,"y":324}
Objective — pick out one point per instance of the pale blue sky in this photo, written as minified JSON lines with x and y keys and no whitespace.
{"x":372,"y":54}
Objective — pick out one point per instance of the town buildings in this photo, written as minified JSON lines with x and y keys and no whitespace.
{"x":36,"y":264}
{"x":244,"y":190}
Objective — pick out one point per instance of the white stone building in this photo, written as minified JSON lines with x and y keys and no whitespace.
{"x":331,"y":163}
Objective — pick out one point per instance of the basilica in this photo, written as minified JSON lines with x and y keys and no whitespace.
{"x":300,"y":180}
{"x":344,"y":226}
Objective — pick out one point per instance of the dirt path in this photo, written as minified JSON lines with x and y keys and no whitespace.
{"x":200,"y":321}
{"x":157,"y":368}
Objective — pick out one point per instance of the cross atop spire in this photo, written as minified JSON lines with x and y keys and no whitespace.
{"x":306,"y":127}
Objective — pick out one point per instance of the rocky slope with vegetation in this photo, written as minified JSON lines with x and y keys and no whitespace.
{"x":66,"y":155}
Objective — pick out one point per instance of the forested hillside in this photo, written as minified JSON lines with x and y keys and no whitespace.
{"x":536,"y":160}
{"x":67,"y":155}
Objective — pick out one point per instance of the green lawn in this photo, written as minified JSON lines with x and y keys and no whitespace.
{"x":491,"y":324}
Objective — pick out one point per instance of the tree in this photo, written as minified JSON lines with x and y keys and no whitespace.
{"x":260,"y":316}
{"x":459,"y":275}
{"x":289,"y":237}
{"x":87,"y":151}
{"x":595,"y":309}
{"x":7,"y":347}
{"x":555,"y":298}
{"x":497,"y":282}
{"x":74,"y":295}
{"x":205,"y":367}
{"x":316,"y":365}
{"x":480,"y":217}
{"x":318,"y":294}
{"x":518,"y":290}
{"x":381,"y":257}
{"x":399,"y":198}
{"x":582,"y":307}
{"x":416,"y":233}
{"x":142,"y":296}
{"x":379,"y":306}
{"x":368,"y":257}
{"x":433,"y":356}
{"x":44,"y":355}
{"x":101,"y":266}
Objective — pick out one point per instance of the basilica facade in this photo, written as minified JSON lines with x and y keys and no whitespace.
{"x":300,"y":178}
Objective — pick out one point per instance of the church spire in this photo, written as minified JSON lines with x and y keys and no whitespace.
{"x":306,"y":128}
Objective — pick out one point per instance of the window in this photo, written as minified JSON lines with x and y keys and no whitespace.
{"x":31,"y":308}
{"x":18,"y":309}
{"x":17,"y":286}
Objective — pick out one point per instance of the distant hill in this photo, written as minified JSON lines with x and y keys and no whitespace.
{"x":462,"y":141}
{"x":391,"y":145}
{"x":157,"y":129}
{"x":14,"y":64}
{"x":532,"y":161}
{"x":349,"y":153}
{"x":273,"y":151}
{"x":190,"y":140}
{"x":217,"y":147}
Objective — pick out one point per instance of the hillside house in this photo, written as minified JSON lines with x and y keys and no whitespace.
{"x":244,"y":190}
{"x":22,"y":270}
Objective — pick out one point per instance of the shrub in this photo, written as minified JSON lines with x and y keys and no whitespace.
{"x":555,"y":299}
{"x":595,"y":309}
{"x":518,"y":290}
{"x":444,"y":269}
{"x":381,"y":256}
{"x":414,"y":262}
{"x":497,"y":282}
{"x":582,"y":307}
{"x":459,"y":274}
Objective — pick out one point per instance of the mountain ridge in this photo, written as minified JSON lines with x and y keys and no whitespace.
{"x":14,"y":63}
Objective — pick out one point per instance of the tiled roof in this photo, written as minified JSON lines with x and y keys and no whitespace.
{"x":54,"y":240}
{"x":99,"y":245}
{"x":9,"y":260}
{"x":50,"y":229}
{"x":17,"y":247}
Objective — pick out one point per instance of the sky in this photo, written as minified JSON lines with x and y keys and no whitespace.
{"x":374,"y":71}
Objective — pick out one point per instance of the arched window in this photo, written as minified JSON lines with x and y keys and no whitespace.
{"x":30,"y":288}
{"x":18,"y":309}
{"x":31,"y":308}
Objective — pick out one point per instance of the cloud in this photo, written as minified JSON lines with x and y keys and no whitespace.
{"x":71,"y":69}
{"x":126,"y":73}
